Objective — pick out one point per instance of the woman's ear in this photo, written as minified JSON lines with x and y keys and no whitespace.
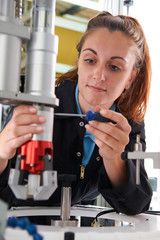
{"x":132,"y":78}
{"x":134,"y":74}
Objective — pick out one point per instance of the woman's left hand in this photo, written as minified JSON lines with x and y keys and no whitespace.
{"x":111,"y":140}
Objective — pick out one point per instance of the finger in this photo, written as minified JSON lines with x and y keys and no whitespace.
{"x":97,"y":108}
{"x":9,"y":151}
{"x":103,"y":148}
{"x":105,"y":138}
{"x":24,"y":130}
{"x":26,"y":119}
{"x":121,"y":121}
{"x":24,"y":109}
{"x":110,"y":129}
{"x":19,"y":141}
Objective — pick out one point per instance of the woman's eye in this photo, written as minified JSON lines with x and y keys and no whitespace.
{"x":114,"y":68}
{"x":89,"y":61}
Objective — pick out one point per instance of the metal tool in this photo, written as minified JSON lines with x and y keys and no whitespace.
{"x":138,"y":154}
{"x":138,"y":147}
{"x":35,"y":156}
{"x":89,"y":116}
{"x":65,"y":220}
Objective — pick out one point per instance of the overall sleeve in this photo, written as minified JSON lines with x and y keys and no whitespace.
{"x":129,"y":198}
{"x":5,"y":191}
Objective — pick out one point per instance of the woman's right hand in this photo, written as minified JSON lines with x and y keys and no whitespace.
{"x":18,"y":131}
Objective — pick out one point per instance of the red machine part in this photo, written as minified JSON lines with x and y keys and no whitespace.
{"x":32,"y":153}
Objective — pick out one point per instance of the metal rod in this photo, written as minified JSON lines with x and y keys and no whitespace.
{"x":138,"y":147}
{"x":70,"y":114}
{"x":137,"y":171}
{"x":65,"y":203}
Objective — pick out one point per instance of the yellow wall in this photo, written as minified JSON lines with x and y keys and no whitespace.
{"x":68,"y":39}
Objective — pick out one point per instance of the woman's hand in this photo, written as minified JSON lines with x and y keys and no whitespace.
{"x":18,"y":131}
{"x":111,"y":140}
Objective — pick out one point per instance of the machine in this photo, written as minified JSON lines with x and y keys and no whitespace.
{"x":42,"y":47}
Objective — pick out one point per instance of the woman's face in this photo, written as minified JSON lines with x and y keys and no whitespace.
{"x":105,"y":68}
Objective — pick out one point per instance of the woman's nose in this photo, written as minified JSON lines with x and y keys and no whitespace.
{"x":99,"y":74}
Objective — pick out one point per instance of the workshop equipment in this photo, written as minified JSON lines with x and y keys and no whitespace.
{"x":42,"y":46}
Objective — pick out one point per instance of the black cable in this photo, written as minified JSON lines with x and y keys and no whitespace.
{"x":95,"y":220}
{"x":104,"y":212}
{"x":152,"y":212}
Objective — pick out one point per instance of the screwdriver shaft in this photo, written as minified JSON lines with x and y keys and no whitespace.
{"x":70,"y":114}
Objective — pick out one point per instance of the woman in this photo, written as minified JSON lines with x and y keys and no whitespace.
{"x":112,"y":76}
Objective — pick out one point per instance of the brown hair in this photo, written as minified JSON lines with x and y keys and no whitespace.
{"x":133,"y":102}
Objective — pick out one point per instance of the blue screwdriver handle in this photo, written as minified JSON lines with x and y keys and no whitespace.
{"x":90,"y":115}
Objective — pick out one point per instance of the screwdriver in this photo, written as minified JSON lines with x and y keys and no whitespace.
{"x":89,"y":116}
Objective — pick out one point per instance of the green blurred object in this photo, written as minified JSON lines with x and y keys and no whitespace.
{"x":153,"y":183}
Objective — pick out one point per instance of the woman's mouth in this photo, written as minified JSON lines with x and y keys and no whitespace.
{"x":96,"y":88}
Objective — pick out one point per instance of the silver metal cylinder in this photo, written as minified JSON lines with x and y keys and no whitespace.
{"x":7,"y":8}
{"x":65,"y":203}
{"x":43,"y":16}
{"x":41,"y":63}
{"x":10,"y":48}
{"x":10,"y":62}
{"x":42,"y":51}
{"x":138,"y":147}
{"x":48,"y":133}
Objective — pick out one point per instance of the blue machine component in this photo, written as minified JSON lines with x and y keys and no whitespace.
{"x":24,"y":223}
